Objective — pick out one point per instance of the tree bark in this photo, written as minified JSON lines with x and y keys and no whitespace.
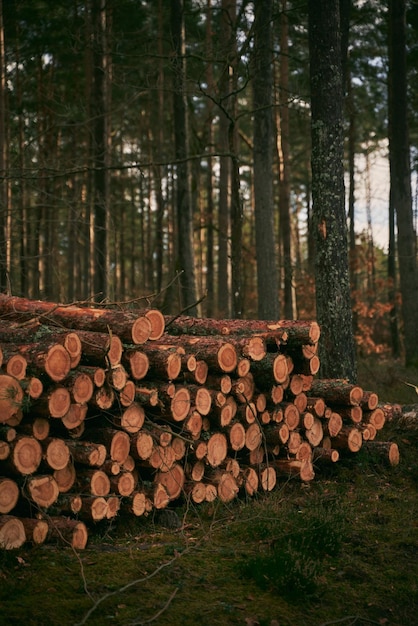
{"x":333,"y":302}
{"x":400,"y":176}
{"x":267,"y":283}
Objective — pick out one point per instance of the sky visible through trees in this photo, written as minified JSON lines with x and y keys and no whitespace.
{"x":127,"y":154}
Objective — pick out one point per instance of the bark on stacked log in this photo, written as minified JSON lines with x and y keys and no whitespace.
{"x":103,"y":410}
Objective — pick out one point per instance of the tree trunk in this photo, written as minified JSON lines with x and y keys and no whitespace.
{"x":183,"y":200}
{"x":400,"y":176}
{"x":267,"y":284}
{"x":329,"y":223}
{"x":284,"y":157}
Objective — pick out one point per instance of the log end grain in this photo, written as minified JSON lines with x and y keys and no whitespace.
{"x":141,"y":330}
{"x":12,"y":532}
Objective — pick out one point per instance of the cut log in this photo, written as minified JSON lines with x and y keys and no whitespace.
{"x":68,"y":531}
{"x":127,"y":394}
{"x":74,"y":417}
{"x":4,"y":450}
{"x":25,"y":456}
{"x":193,"y":424}
{"x":387,"y":451}
{"x":160,"y":497}
{"x":138,"y":504}
{"x":67,"y":504}
{"x":226,"y":485}
{"x":267,"y":477}
{"x":201,"y":398}
{"x":223,"y":383}
{"x":219,"y":355}
{"x":157,"y":323}
{"x":180,"y":404}
{"x":243,"y":388}
{"x":65,"y":478}
{"x":172,"y":480}
{"x":290,"y":331}
{"x":8,"y":433}
{"x":196,"y":491}
{"x":137,"y":363}
{"x":12,"y":532}
{"x":217,"y":449}
{"x":132,"y":418}
{"x":277,"y":394}
{"x":271,"y":370}
{"x":113,"y":506}
{"x":325,"y":455}
{"x":352,"y":414}
{"x":304,"y":452}
{"x":117,"y":442}
{"x":39,"y":427}
{"x":376,"y":417}
{"x":147,"y":396}
{"x":11,"y":396}
{"x":101,"y":349}
{"x":315,"y":405}
{"x":392,"y":411}
{"x":237,"y":436}
{"x":16,"y":364}
{"x":123,"y":484}
{"x":87,"y":453}
{"x":130,"y":327}
{"x":253,"y":348}
{"x":162,"y":458}
{"x":369,"y":401}
{"x":294,"y":442}
{"x":56,"y":453}
{"x":348,"y":438}
{"x":300,"y":401}
{"x":93,"y":508}
{"x":164,"y":361}
{"x":93,"y":482}
{"x":33,"y":387}
{"x":142,"y":445}
{"x":333,"y":425}
{"x":293,"y":467}
{"x":9,"y":495}
{"x":249,"y":479}
{"x":42,"y":490}
{"x":55,"y":402}
{"x":195,"y":471}
{"x":200,"y":372}
{"x":179,"y":448}
{"x":36,"y":530}
{"x":337,"y":391}
{"x":118,"y":377}
{"x":253,"y":436}
{"x":95,"y":373}
{"x":291,"y":415}
{"x":315,"y":433}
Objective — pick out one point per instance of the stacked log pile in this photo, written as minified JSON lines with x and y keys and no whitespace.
{"x":103,"y":410}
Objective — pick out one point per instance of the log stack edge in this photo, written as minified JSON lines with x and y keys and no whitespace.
{"x":104,"y":410}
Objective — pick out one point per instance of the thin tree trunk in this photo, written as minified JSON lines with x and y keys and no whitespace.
{"x":100,"y":155}
{"x":267,"y":284}
{"x":284,"y":182}
{"x":184,"y":209}
{"x":3,"y":160}
{"x":400,"y":176}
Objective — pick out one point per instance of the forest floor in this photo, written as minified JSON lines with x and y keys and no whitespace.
{"x":342,"y":549}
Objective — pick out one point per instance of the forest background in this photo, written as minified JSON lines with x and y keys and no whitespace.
{"x":136,"y":168}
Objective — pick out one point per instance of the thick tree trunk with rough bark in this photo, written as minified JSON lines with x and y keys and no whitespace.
{"x":329,"y":221}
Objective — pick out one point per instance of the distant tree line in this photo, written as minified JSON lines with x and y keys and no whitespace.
{"x":168,"y":150}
